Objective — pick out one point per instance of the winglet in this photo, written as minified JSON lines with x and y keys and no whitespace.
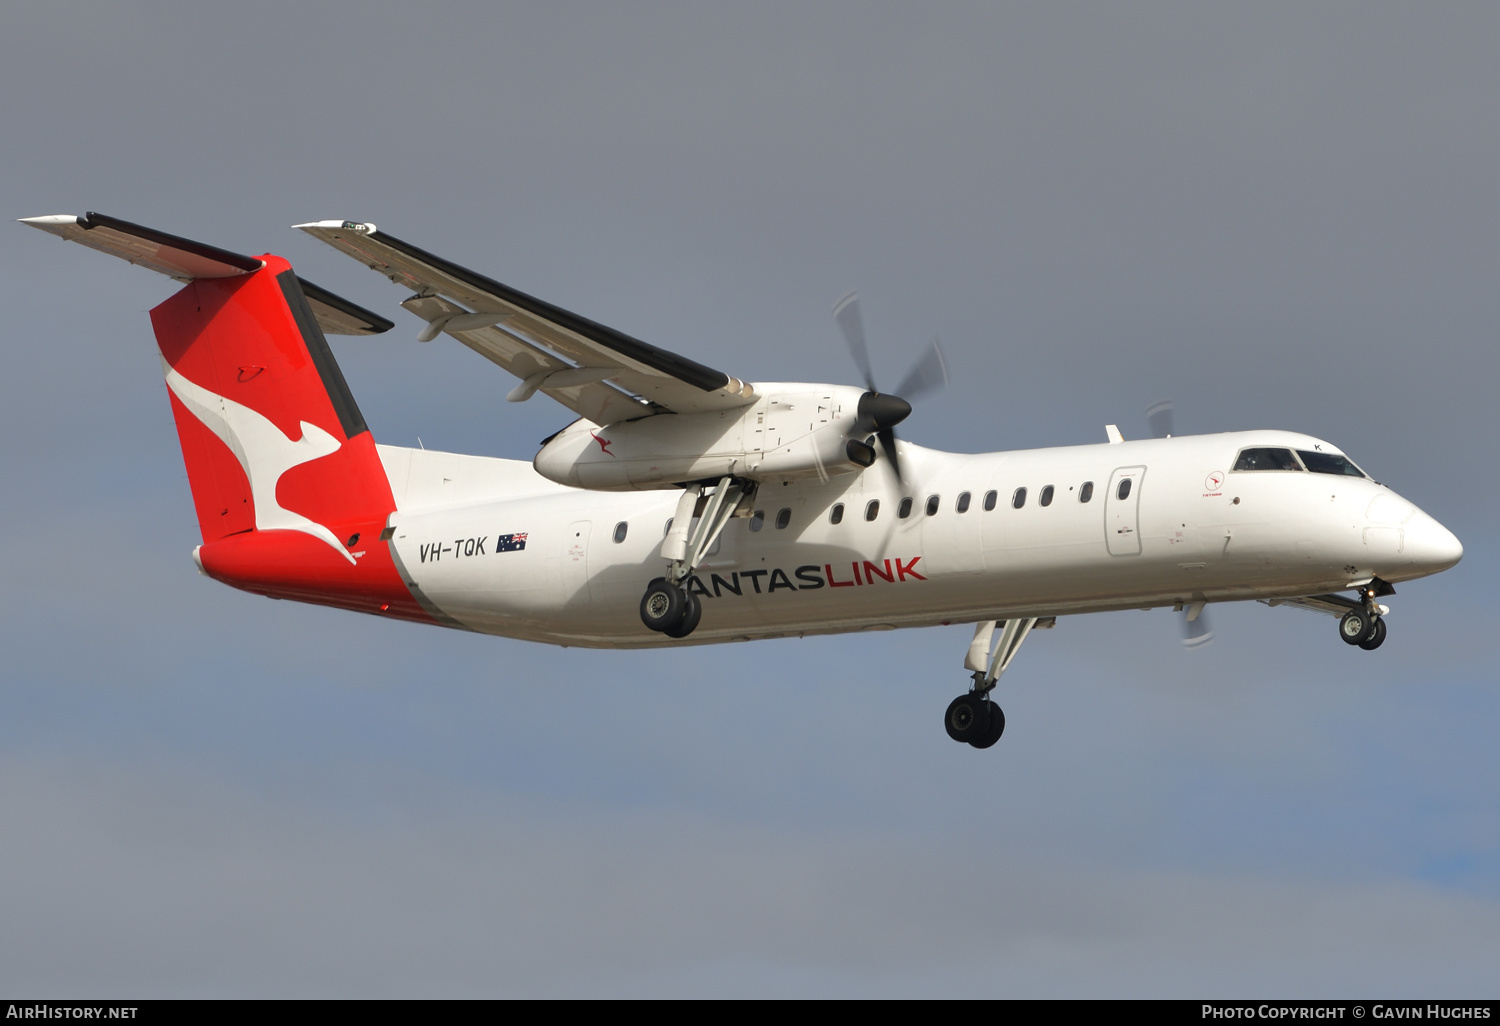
{"x":1113,"y":433}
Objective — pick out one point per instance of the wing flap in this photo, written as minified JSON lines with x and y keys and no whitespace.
{"x":518,"y":332}
{"x":593,"y":399}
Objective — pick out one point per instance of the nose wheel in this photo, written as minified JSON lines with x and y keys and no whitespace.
{"x":1367,"y":630}
{"x":1363,"y":624}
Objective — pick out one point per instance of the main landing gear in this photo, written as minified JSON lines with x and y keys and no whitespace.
{"x":1364,"y":625}
{"x":668,"y":607}
{"x":974,"y":718}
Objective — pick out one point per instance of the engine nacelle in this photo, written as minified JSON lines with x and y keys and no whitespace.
{"x":792,"y":431}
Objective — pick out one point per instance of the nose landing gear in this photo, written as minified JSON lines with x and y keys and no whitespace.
{"x":1377,"y":636}
{"x":1358,"y":627}
{"x":1364,"y":625}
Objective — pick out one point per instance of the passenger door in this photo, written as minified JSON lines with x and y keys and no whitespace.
{"x":1122,"y":530}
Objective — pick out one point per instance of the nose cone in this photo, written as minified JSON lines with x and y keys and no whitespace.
{"x":1430,"y":545}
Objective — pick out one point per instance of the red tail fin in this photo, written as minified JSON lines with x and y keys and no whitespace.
{"x":290,"y":491}
{"x":271,"y":436}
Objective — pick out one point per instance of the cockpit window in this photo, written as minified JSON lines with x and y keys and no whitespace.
{"x":1329,"y":463}
{"x":1267,"y":459}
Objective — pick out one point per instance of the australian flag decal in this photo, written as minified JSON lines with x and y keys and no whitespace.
{"x":510,"y":542}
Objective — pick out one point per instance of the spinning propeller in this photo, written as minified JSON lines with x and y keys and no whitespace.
{"x":1195,"y":626}
{"x":1159,"y":417}
{"x":880,"y":412}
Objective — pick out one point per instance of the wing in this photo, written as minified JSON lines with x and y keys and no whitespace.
{"x":184,"y":260}
{"x":572,"y":359}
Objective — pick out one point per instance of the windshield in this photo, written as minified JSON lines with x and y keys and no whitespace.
{"x":1329,"y":463}
{"x":1267,"y":459}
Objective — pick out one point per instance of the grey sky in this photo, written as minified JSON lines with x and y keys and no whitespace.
{"x":1278,"y":215}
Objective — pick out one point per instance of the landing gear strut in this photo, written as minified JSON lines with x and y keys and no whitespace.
{"x":974,"y":718}
{"x":667,"y":606}
{"x":1364,"y":625}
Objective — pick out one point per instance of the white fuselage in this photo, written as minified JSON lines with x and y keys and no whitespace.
{"x":1190,"y":530}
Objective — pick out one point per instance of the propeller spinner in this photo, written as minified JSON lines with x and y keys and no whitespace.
{"x":880,"y":412}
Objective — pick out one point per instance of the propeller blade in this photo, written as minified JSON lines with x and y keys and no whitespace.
{"x":880,"y":412}
{"x":1159,"y":416}
{"x":846,"y":313}
{"x":929,"y":373}
{"x":887,"y":438}
{"x":1196,"y":630}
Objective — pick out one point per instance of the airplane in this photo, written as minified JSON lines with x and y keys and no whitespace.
{"x":685,"y":506}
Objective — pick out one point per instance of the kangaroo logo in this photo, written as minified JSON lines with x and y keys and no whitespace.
{"x":264,"y":452}
{"x":604,"y":444}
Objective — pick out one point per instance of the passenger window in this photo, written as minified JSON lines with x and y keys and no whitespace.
{"x":1123,"y":492}
{"x":1019,"y":499}
{"x":1267,"y":459}
{"x":932,"y":505}
{"x":1329,"y":463}
{"x":1086,"y":492}
{"x":904,"y":510}
{"x":963,"y":502}
{"x":757,"y":520}
{"x":989,"y":501}
{"x":872,"y":509}
{"x":620,"y":530}
{"x":1046,"y":499}
{"x":782,"y":519}
{"x":836,"y":515}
